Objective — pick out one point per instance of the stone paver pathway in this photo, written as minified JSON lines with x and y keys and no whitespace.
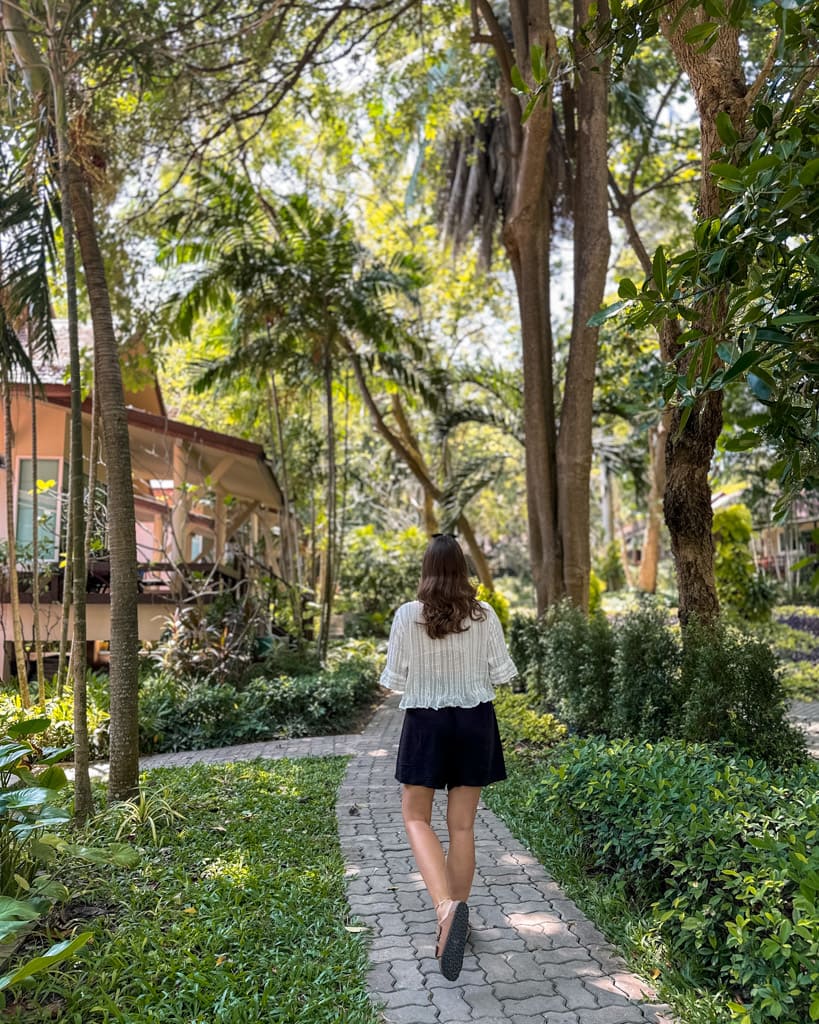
{"x":806,"y":716}
{"x":532,"y":957}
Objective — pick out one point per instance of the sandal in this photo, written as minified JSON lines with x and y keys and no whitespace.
{"x":451,"y":939}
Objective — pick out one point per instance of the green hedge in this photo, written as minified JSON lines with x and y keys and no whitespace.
{"x":639,"y":677}
{"x":202,"y":715}
{"x":724,"y":847}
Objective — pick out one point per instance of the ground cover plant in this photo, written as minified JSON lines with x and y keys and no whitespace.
{"x":701,"y":864}
{"x":287,"y":694}
{"x":237,"y":913}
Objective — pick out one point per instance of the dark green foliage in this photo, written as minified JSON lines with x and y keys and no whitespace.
{"x":642,"y":679}
{"x":734,"y":694}
{"x":575,"y":673}
{"x":379,"y":573}
{"x":238,"y":913}
{"x":198,"y":715}
{"x":740,"y":587}
{"x":646,"y":680}
{"x":723,"y":847}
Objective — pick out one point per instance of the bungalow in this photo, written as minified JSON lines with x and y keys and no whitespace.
{"x":207,"y":505}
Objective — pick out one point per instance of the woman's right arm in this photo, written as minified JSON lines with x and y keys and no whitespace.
{"x":394,"y":676}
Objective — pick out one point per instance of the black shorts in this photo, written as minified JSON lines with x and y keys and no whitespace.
{"x":450,"y":747}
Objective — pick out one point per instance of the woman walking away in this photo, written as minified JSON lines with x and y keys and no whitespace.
{"x":446,"y":653}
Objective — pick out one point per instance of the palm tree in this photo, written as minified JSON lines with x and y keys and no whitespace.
{"x":302,"y":288}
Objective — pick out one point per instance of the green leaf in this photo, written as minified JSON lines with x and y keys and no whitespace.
{"x":725,"y":129}
{"x":759,"y":387}
{"x":11,"y":753}
{"x":53,"y":956}
{"x":607,"y":313}
{"x":705,"y":35}
{"x":627,"y":289}
{"x":28,"y":727}
{"x":527,"y":112}
{"x":722,"y":170}
{"x":746,"y":360}
{"x":809,"y":173}
{"x":538,"y":64}
{"x":762,"y":117}
{"x":660,"y":271}
{"x":517,"y":79}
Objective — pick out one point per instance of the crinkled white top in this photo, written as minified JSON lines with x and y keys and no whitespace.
{"x":458,"y":670}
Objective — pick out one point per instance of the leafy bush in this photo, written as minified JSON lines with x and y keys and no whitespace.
{"x":639,"y":678}
{"x":724,"y":848}
{"x":610,"y":567}
{"x":646,"y":677}
{"x":379,"y":573}
{"x":733,"y":693}
{"x":596,"y":590}
{"x":739,"y":586}
{"x":215,"y":642}
{"x":496,"y":600}
{"x":175,"y":716}
{"x":60,"y":713}
{"x":575,"y":671}
{"x":32,"y":814}
{"x":522,"y":726}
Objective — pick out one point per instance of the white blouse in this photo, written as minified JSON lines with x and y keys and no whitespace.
{"x":458,"y":670}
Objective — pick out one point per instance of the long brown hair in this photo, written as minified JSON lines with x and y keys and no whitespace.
{"x":445,"y":591}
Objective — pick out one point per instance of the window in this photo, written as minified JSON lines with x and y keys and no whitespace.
{"x":48,"y":503}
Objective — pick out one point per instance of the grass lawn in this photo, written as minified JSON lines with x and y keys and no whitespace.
{"x":236,"y":913}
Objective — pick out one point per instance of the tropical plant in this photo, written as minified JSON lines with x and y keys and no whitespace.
{"x":303,"y":290}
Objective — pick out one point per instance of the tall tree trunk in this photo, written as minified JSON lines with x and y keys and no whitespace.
{"x":83,"y":800}
{"x":650,"y":555}
{"x":328,"y":576}
{"x":35,"y":543}
{"x":11,"y":549}
{"x":591,"y":260}
{"x":289,"y":540}
{"x":527,"y":237}
{"x":718,"y":83}
{"x":123,"y":780}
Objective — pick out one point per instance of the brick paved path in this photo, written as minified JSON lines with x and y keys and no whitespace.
{"x":806,"y":717}
{"x":533,"y":957}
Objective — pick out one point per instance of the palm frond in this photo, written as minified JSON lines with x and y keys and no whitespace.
{"x":464,"y":483}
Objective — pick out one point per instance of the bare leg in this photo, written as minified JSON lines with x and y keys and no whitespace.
{"x":462,"y":805}
{"x":416,"y":804}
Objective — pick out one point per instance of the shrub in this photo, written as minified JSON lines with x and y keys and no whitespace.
{"x":522,"y":725}
{"x":739,"y":586}
{"x":610,"y":568}
{"x":204,"y":714}
{"x":639,"y":679}
{"x":496,"y":600}
{"x":380,"y":572}
{"x":60,"y":714}
{"x":733,"y":693}
{"x":575,"y":672}
{"x":596,"y":589}
{"x":646,"y":683}
{"x":32,"y":815}
{"x":724,"y":848}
